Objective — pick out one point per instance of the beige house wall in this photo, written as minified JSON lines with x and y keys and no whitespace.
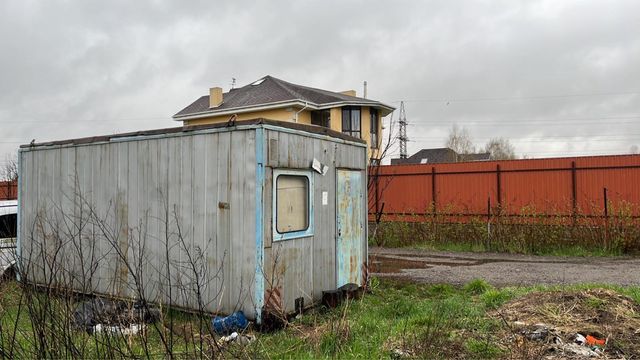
{"x":304,"y":117}
{"x":285,"y":114}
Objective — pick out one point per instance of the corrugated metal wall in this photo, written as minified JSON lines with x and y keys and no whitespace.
{"x":307,"y":266}
{"x":155,"y":203}
{"x":559,"y":186}
{"x":140,"y":211}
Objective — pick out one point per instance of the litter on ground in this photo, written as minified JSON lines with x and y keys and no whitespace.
{"x":595,"y":323}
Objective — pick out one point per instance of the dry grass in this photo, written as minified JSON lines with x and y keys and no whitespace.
{"x":600,"y":312}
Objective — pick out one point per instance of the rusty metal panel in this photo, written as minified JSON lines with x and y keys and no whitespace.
{"x":350,"y":223}
{"x":290,"y":270}
{"x":290,"y":264}
{"x":154,"y":201}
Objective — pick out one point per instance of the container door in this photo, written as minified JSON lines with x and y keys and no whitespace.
{"x":350,"y":227}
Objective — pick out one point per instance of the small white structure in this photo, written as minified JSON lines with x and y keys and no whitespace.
{"x":216,"y":218}
{"x":8,"y":213}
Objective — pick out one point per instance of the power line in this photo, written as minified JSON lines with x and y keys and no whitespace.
{"x":581,"y":121}
{"x":513,"y":98}
{"x":534,"y":123}
{"x":546,"y":138}
{"x":86,"y":120}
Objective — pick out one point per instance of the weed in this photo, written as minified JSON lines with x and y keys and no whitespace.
{"x":484,"y":349}
{"x":440,"y":290}
{"x":530,"y":232}
{"x":494,"y":298}
{"x":595,"y":303}
{"x":477,"y":287}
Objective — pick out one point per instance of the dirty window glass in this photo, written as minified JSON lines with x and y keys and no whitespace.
{"x":351,"y":121}
{"x":374,"y":128}
{"x":321,"y":118}
{"x":8,"y":226}
{"x":292,"y":202}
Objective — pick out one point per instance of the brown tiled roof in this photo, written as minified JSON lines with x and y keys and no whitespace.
{"x":270,"y":90}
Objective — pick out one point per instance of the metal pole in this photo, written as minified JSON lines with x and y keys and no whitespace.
{"x":433,"y":190}
{"x":574,"y":192}
{"x":606,"y":204}
{"x":499,"y":186}
{"x":489,"y":217}
{"x":606,"y":218}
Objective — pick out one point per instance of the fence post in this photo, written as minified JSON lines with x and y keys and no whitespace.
{"x":606,"y":218}
{"x":499,"y":187}
{"x":433,"y":190}
{"x":489,"y":223}
{"x":376,"y":180}
{"x":574,"y":192}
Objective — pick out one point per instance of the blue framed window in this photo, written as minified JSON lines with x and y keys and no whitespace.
{"x":292,"y":204}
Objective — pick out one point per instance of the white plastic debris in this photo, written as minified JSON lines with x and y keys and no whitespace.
{"x":237,"y":338}
{"x":229,"y":338}
{"x":132,"y":329}
{"x":575,"y":349}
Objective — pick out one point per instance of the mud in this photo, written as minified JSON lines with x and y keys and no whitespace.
{"x":423,"y":266}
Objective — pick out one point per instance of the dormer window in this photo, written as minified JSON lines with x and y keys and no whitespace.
{"x":351,"y":121}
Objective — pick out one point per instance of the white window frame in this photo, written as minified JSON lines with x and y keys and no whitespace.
{"x":277,"y":236}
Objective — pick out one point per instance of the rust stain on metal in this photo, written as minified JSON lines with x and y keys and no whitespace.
{"x":365,"y":274}
{"x":273,"y":300}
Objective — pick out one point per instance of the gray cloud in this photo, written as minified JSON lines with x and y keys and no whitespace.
{"x":557,"y":78}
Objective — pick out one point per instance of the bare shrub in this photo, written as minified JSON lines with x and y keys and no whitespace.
{"x":71,"y":257}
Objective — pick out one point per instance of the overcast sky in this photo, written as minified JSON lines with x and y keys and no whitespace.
{"x":557,"y":78}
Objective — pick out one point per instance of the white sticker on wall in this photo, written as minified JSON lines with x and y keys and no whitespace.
{"x":325,"y":198}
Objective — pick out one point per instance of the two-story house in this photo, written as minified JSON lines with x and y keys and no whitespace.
{"x":275,"y":99}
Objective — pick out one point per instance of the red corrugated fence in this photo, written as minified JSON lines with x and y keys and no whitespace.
{"x":8,"y":190}
{"x":570,"y":187}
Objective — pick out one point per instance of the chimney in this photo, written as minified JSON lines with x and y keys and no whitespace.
{"x":215,"y":97}
{"x":348,"y":92}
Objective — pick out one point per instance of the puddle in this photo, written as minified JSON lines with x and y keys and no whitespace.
{"x":452,"y":260}
{"x":386,"y":265}
{"x":398,"y":264}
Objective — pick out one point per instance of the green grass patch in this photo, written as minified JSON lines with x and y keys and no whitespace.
{"x":477,"y":287}
{"x":394,"y":319}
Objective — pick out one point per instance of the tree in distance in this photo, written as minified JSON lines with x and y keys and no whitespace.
{"x":500,"y":149}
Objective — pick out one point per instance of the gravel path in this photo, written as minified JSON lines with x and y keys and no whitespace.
{"x":424,"y":266}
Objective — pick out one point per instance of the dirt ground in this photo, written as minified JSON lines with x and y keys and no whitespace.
{"x":549,"y":325}
{"x":424,"y":266}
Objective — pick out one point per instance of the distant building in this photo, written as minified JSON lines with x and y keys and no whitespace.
{"x":440,"y":155}
{"x":275,"y":99}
